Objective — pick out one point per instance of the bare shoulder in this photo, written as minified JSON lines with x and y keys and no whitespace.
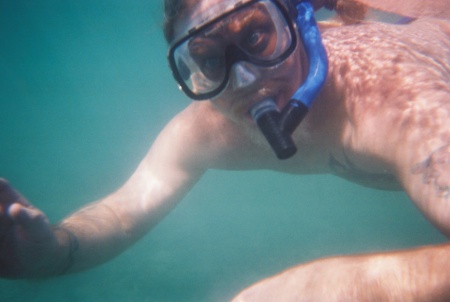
{"x":210,"y":139}
{"x":377,"y":57}
{"x":392,"y":82}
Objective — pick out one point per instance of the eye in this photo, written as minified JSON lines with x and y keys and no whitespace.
{"x":212,"y":63}
{"x":208,"y":54}
{"x":255,"y":42}
{"x":213,"y":67}
{"x":253,"y":38}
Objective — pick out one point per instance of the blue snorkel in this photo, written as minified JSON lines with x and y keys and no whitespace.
{"x":278,"y":127}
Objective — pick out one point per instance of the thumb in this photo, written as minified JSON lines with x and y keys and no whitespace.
{"x":32,"y":223}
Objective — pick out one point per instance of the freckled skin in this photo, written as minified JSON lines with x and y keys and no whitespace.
{"x":381,"y":77}
{"x":394,"y":88}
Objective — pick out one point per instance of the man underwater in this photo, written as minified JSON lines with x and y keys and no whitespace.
{"x":384,"y":108}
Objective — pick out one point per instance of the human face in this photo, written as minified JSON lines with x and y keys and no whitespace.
{"x":237,"y":55}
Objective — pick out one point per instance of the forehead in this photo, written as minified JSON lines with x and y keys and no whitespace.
{"x":202,"y":11}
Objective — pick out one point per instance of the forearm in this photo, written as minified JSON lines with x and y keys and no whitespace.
{"x":414,"y":275}
{"x":91,"y":236}
{"x":421,"y":274}
{"x":104,"y":229}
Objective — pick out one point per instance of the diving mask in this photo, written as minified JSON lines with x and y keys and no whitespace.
{"x":260,"y":32}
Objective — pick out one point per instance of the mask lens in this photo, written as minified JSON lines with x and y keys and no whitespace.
{"x":201,"y":66}
{"x":257,"y":32}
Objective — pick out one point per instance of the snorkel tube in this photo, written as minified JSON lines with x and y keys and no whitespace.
{"x":277,"y":126}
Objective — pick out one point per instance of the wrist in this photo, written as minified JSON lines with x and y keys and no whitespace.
{"x":68,"y":243}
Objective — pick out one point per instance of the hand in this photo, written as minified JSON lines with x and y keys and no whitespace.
{"x":28,"y":245}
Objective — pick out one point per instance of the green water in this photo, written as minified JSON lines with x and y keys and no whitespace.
{"x":84,"y":91}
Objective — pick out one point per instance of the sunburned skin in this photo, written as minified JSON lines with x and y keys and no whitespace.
{"x":398,"y":72}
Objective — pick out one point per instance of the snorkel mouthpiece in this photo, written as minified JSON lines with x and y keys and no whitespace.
{"x":278,"y":127}
{"x":268,"y":118}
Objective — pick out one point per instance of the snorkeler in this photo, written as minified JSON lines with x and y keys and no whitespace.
{"x":382,"y":116}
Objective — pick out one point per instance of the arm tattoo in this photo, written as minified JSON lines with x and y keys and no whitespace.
{"x":435,"y":170}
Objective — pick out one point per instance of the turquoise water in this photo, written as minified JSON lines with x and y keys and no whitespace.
{"x":85,"y":89}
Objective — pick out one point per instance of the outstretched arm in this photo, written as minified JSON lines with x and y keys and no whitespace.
{"x":31,"y":247}
{"x":107,"y":227}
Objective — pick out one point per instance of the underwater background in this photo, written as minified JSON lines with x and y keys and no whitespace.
{"x":84,"y":90}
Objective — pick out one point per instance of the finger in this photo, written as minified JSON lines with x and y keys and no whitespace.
{"x":8,"y":195}
{"x":33,"y":223}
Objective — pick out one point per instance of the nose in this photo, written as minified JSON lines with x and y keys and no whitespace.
{"x":243,"y":75}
